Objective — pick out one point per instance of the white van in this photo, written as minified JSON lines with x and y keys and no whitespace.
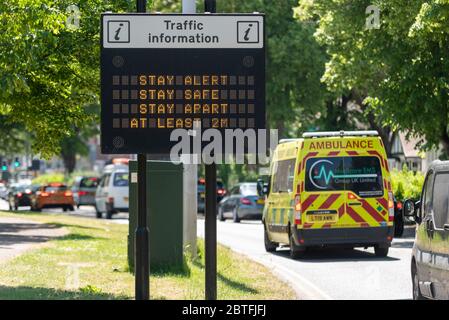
{"x":112,"y":195}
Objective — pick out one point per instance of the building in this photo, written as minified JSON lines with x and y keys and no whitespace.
{"x":406,"y":152}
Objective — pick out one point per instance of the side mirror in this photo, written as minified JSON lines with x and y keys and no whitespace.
{"x":260,"y":188}
{"x":409,"y":208}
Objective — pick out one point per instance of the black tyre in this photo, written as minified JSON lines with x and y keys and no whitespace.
{"x":295,"y":251}
{"x":71,"y":208}
{"x":235,"y":216}
{"x":398,"y":225}
{"x":381,"y":251}
{"x":270,"y":246}
{"x":98,"y":212}
{"x":416,"y":291}
{"x":220,"y":214}
{"x":65,"y":209}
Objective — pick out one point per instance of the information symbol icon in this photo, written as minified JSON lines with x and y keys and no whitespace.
{"x":118,"y":31}
{"x":247,"y":32}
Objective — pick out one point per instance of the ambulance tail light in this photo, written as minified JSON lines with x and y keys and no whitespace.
{"x":390,"y":206}
{"x":297,"y":209}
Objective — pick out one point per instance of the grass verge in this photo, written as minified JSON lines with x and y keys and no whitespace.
{"x":90,"y":263}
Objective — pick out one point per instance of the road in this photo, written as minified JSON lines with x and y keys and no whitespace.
{"x":323,"y":274}
{"x":327,"y":273}
{"x":83,"y":211}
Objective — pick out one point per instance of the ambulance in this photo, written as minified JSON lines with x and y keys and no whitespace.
{"x":329,"y":189}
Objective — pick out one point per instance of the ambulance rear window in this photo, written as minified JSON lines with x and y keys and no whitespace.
{"x":361,"y":175}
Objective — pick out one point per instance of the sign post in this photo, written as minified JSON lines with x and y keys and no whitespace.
{"x":141,"y":250}
{"x":163,"y":72}
{"x":210,"y":232}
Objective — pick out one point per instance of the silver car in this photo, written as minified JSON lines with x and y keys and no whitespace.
{"x":242,"y":203}
{"x":84,"y":189}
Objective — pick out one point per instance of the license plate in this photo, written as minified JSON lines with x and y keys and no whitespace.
{"x":261,"y":201}
{"x":322,"y":218}
{"x":126,"y":199}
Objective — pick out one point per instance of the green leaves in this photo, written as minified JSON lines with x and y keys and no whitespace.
{"x":48,"y":71}
{"x":401,"y":68}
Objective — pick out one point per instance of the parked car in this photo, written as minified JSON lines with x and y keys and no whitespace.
{"x":430,"y":263}
{"x":19,"y":196}
{"x":221,"y":192}
{"x":112,"y":195}
{"x":243,"y":202}
{"x":52,"y":195}
{"x":84,"y":189}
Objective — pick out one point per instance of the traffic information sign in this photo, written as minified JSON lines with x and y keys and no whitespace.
{"x":161,"y":72}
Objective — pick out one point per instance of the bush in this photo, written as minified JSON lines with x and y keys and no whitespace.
{"x":407,"y":184}
{"x":49,"y":178}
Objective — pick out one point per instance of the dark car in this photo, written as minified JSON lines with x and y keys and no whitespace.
{"x":84,"y":189}
{"x":19,"y":196}
{"x":243,"y":202}
{"x":430,"y":255}
{"x":221,"y":192}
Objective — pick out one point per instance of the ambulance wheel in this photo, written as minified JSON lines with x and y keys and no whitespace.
{"x":295,"y":251}
{"x":71,"y":208}
{"x":270,"y":246}
{"x":235,"y":216}
{"x":381,"y":251}
{"x":65,"y":209}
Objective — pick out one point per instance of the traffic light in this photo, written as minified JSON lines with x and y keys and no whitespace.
{"x":4,"y":166}
{"x":16,"y":163}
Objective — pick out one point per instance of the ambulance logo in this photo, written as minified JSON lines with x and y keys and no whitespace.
{"x":321,"y":174}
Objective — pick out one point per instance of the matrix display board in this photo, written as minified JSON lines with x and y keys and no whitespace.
{"x":163,"y":72}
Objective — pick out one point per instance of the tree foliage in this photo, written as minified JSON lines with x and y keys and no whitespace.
{"x":398,"y":70}
{"x":49,"y":69}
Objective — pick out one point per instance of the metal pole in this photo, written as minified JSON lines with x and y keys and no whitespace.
{"x":210,"y":233}
{"x":190,"y":181}
{"x":188,"y":6}
{"x":142,"y":259}
{"x":210,"y":6}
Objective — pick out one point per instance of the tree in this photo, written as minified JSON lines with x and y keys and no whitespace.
{"x":49,"y":69}
{"x":396,"y":71}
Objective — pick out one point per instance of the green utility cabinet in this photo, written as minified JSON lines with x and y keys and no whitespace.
{"x":164,"y":213}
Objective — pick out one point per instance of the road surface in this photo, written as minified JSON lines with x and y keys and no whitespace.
{"x":323,"y":274}
{"x":327,"y":273}
{"x":83,"y":211}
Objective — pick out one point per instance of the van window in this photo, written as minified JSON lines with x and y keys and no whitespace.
{"x":284,"y":176}
{"x":440,"y":199}
{"x":121,"y":179}
{"x":361,"y":175}
{"x":426,"y":203}
{"x":105,"y":180}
